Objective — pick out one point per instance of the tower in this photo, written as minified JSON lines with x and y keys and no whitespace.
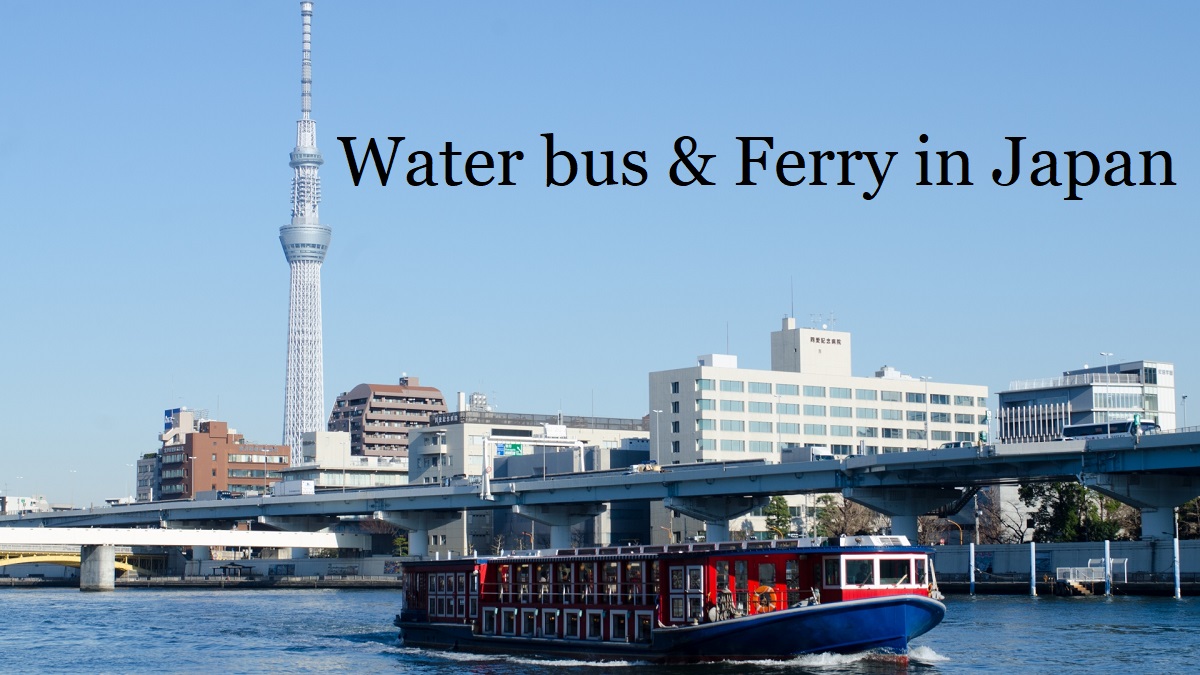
{"x":304,"y":242}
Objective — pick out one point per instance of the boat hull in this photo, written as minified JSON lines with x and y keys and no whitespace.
{"x":885,"y":623}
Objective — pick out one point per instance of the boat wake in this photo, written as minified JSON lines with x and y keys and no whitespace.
{"x":926,"y":655}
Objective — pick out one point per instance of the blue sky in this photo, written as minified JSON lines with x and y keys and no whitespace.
{"x":143,"y":165}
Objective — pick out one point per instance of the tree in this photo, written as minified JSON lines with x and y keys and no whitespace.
{"x":400,"y":545}
{"x":779,"y":517}
{"x":1070,"y":512}
{"x":837,"y":516}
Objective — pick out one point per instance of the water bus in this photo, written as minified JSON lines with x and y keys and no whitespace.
{"x":677,"y":603}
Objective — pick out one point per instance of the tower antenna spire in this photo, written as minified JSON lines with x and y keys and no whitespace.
{"x":304,"y":242}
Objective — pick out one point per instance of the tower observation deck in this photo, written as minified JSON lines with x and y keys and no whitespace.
{"x":305,"y":241}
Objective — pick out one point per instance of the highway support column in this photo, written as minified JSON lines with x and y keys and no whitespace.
{"x":97,"y":567}
{"x":418,"y":524}
{"x":559,"y":518}
{"x":1156,"y":495}
{"x":716,"y":512}
{"x":903,"y":505}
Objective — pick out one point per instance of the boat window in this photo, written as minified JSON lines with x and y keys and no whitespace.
{"x":441,"y":583}
{"x":860,"y":571}
{"x":586,"y":586}
{"x":508,"y":622}
{"x":528,"y":622}
{"x":678,"y":609}
{"x":505,"y":580}
{"x":677,"y":579}
{"x":611,"y":572}
{"x":572,"y":624}
{"x":564,"y":582}
{"x":633,"y":582}
{"x":433,"y":606}
{"x":792,"y":578}
{"x":523,"y":573}
{"x":922,"y":572}
{"x":619,"y":628}
{"x":595,"y":624}
{"x":695,"y":579}
{"x":893,"y":571}
{"x":489,"y":621}
{"x":645,"y":621}
{"x":543,"y":582}
{"x":462,"y":582}
{"x":474,"y":606}
{"x":462,"y":606}
{"x":550,"y":623}
{"x":833,"y":575}
{"x":722,"y":568}
{"x":766,"y":573}
{"x":740,"y":580}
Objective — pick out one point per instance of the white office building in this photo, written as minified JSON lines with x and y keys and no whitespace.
{"x":716,"y":411}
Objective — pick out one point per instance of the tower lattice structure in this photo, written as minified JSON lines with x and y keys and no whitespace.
{"x":305,"y":242}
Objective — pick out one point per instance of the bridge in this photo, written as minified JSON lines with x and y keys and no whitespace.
{"x":95,"y":550}
{"x":1153,"y":473}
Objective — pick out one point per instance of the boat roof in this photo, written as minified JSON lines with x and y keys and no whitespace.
{"x":844,"y":544}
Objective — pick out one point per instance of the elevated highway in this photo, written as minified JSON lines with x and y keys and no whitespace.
{"x":1154,"y":473}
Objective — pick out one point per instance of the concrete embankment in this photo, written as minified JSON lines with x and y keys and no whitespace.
{"x":230,"y":583}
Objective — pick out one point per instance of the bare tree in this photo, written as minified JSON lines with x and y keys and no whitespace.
{"x":837,"y":516}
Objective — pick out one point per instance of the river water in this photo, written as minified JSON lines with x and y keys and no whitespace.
{"x":334,"y":631}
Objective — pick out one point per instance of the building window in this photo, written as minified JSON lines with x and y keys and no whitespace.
{"x":814,"y":429}
{"x":893,"y":396}
{"x":814,"y":410}
{"x":729,"y":445}
{"x":706,"y":444}
{"x":865,"y":394}
{"x":940,"y":417}
{"x":960,"y":418}
{"x":892,"y":433}
{"x":675,"y":407}
{"x":732,"y":385}
{"x":760,"y":407}
{"x":789,"y":428}
{"x":706,"y":404}
{"x":788,"y":408}
{"x":939,"y":435}
{"x":815,"y":392}
{"x":706,"y":425}
{"x":732,"y":406}
{"x":761,"y":446}
{"x":839,"y":392}
{"x":893,"y":414}
{"x":916,"y":415}
{"x":675,"y":427}
{"x":733,"y":425}
{"x":760,"y":427}
{"x":916,"y":434}
{"x":787,"y":389}
{"x":968,"y":436}
{"x":674,"y":446}
{"x":867,"y":413}
{"x":964,"y":400}
{"x":868,"y":432}
{"x":914,"y":397}
{"x":705,"y":385}
{"x":840,"y":411}
{"x":760,"y":387}
{"x":982,"y":401}
{"x":840,"y":430}
{"x":939,"y":399}
{"x":674,"y":387}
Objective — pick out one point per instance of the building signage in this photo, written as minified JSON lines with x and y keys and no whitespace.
{"x":511,"y":448}
{"x":438,"y":419}
{"x":168,"y":415}
{"x":825,"y":340}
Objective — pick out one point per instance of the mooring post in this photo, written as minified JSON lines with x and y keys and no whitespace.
{"x":1107,"y":569}
{"x":1032,"y":570}
{"x":1178,"y":595}
{"x":972,"y":550}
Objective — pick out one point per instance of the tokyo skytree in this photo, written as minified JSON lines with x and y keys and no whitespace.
{"x":304,"y":241}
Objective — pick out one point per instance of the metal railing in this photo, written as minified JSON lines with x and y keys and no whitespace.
{"x":1075,"y":381}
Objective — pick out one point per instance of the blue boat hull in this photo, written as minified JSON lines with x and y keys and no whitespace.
{"x":886,"y":623}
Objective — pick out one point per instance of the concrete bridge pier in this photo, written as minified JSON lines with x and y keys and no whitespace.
{"x":903,"y":505}
{"x":716,"y":512}
{"x":1156,"y":495}
{"x":417,"y":524}
{"x":559,"y":518}
{"x":97,"y":567}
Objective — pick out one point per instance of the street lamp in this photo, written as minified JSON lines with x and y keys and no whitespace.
{"x":1106,"y":356}
{"x":657,"y":437}
{"x":1183,"y":413}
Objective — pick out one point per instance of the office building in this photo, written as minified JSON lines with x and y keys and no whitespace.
{"x":215,"y":459}
{"x":326,"y":460}
{"x":1036,"y":410}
